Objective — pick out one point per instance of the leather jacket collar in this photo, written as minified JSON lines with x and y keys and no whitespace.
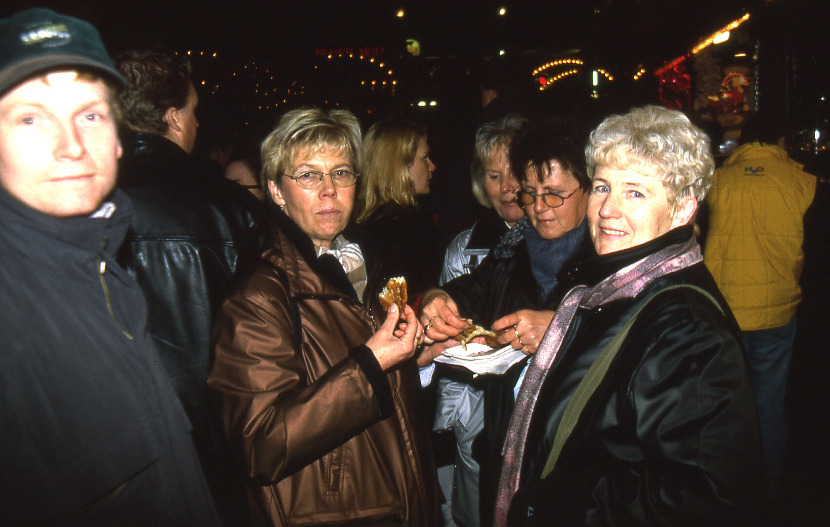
{"x":326,"y":266}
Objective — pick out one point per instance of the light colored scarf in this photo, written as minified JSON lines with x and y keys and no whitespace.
{"x":628,"y":282}
{"x":351,"y":260}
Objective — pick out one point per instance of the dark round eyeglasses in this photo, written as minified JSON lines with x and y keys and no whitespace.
{"x":551,"y":199}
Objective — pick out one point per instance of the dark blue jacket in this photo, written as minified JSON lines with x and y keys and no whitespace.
{"x":91,"y":432}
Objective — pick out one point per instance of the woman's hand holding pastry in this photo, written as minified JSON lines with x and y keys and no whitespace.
{"x":391,"y":345}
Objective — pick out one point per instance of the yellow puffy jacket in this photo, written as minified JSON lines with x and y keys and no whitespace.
{"x":754,"y":243}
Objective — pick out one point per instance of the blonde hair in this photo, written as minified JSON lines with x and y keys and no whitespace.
{"x":489,"y":137}
{"x":656,"y":141}
{"x":389,"y":149}
{"x":309,"y":128}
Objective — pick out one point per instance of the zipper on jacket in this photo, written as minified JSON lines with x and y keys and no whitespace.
{"x":102,"y":271}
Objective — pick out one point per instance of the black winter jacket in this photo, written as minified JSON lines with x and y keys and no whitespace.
{"x":671,"y":435}
{"x":398,"y":241}
{"x":192,"y":235}
{"x":91,"y":432}
{"x":498,"y":287}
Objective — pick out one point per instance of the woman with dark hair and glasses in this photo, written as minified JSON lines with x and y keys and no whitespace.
{"x":513,"y":289}
{"x":320,"y":399}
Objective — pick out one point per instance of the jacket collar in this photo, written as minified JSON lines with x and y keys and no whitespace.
{"x":754,"y":151}
{"x":101,"y":232}
{"x":298,"y":249}
{"x":489,"y":227}
{"x":153,"y":160}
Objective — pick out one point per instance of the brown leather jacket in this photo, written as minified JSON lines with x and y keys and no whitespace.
{"x":327,"y":437}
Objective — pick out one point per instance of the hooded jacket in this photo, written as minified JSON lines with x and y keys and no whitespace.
{"x":91,"y":431}
{"x":325,"y":435}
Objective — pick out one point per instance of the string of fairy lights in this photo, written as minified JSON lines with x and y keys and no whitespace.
{"x":269,"y":90}
{"x":371,"y":71}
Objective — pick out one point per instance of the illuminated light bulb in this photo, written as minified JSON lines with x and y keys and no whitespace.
{"x":502,"y":11}
{"x":721,"y":37}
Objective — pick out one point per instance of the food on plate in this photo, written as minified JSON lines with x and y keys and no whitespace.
{"x":472,"y":331}
{"x":394,"y":293}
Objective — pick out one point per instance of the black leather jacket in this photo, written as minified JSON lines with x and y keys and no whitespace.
{"x":671,"y":436}
{"x":192,"y":234}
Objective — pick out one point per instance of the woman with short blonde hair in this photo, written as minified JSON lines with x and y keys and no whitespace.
{"x":319,"y":396}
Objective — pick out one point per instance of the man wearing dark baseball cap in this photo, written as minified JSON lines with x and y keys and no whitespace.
{"x":91,"y":432}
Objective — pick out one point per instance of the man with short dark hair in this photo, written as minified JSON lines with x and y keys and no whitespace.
{"x":91,"y":431}
{"x":193,"y":233}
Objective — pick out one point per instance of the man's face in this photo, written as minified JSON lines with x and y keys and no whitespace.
{"x":188,"y":122}
{"x":58,"y":144}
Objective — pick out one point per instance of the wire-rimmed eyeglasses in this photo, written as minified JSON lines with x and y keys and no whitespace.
{"x":551,"y":199}
{"x":312,"y":178}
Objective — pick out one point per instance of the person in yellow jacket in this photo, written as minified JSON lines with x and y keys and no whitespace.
{"x":754,"y":250}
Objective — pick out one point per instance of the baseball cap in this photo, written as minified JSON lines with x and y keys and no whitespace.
{"x":38,"y":40}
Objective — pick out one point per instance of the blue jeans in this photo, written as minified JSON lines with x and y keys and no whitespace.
{"x":768,"y":354}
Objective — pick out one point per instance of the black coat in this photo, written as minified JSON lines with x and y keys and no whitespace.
{"x":398,"y":241}
{"x":671,"y":435}
{"x":91,"y":432}
{"x":193,"y":234}
{"x":498,"y":287}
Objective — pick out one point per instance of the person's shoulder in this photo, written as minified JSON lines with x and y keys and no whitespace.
{"x":690,"y":294}
{"x":459,"y":242}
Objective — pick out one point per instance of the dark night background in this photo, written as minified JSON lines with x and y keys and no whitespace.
{"x":270,"y":52}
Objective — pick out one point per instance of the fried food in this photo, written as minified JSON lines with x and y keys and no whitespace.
{"x":472,"y":331}
{"x":394,"y":293}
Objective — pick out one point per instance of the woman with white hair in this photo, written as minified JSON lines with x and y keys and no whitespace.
{"x":636,"y":408}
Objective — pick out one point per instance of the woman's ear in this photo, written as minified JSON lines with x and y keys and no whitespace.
{"x":684,"y":212}
{"x":275,"y":193}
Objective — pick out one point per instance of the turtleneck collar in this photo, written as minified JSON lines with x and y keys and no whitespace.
{"x":548,"y":257}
